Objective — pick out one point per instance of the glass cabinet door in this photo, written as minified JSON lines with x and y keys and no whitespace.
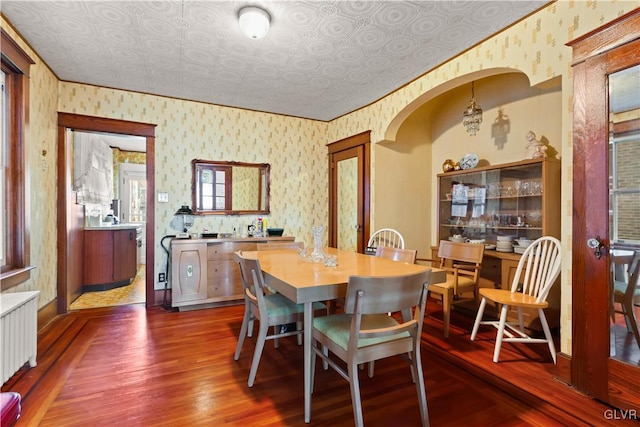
{"x":494,"y":201}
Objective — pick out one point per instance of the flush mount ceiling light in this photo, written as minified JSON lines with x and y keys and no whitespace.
{"x":254,"y":22}
{"x":472,"y":115}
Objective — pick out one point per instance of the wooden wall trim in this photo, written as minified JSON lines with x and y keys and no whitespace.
{"x":349,"y":142}
{"x":100,"y":124}
{"x":47,"y":313}
{"x":615,"y":33}
{"x":563,"y":368}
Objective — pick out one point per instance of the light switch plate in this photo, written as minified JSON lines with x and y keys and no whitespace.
{"x":163,"y":197}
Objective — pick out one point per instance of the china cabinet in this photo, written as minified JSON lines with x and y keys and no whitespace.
{"x":519,"y":199}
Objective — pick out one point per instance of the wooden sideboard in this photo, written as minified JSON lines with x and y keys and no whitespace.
{"x":203,"y":272}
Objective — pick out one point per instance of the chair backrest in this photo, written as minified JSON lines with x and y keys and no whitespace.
{"x":633,"y":286}
{"x":538,"y":268}
{"x":252,"y":280}
{"x":372,"y":295}
{"x":397,"y":254}
{"x":279,"y":245}
{"x":386,"y":237}
{"x":462,"y":252}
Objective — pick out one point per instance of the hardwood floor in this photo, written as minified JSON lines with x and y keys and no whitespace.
{"x":129,"y":366}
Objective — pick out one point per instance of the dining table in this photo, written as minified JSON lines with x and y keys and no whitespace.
{"x":303,"y":281}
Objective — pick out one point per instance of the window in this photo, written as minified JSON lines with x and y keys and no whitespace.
{"x":624,"y":189}
{"x":15,"y":217}
{"x":212,"y":183}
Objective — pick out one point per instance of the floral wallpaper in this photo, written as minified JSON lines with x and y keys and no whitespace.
{"x":296,"y":148}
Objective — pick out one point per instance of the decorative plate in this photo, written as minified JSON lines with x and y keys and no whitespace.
{"x":469,"y":161}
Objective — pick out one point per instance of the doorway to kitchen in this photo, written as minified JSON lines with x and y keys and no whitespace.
{"x":71,"y":216}
{"x":127,"y":205}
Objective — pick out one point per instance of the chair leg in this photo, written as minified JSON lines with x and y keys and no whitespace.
{"x":299,"y":328}
{"x":446,"y":310}
{"x":476,"y":324}
{"x":547,"y":334}
{"x":631,"y":319}
{"x":276,"y":331}
{"x":520,"y":318}
{"x":501,"y":326}
{"x":325,"y":351}
{"x":354,"y":385}
{"x":416,"y":367}
{"x":257,"y":354}
{"x":243,"y":332}
{"x":250,"y":329}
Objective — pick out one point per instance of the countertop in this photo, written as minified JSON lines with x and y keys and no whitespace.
{"x":114,"y":227}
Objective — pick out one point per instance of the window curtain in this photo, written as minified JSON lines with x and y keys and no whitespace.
{"x":92,"y":169}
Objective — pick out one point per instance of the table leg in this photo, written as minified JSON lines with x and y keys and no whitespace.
{"x":308,"y":326}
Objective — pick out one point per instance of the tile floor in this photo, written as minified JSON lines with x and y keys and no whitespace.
{"x":130,"y":294}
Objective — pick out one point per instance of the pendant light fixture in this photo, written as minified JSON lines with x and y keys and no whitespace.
{"x":254,"y":22}
{"x":472,"y":115}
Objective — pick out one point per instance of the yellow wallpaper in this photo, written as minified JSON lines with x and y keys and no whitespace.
{"x":186,"y":130}
{"x":295,"y":147}
{"x":536,"y":47}
{"x":120,"y":156}
{"x":40,"y":139}
{"x":347,"y":198}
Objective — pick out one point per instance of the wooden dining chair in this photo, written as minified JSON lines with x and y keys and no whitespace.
{"x":270,"y":310}
{"x":365,"y":333}
{"x":279,"y":245}
{"x":536,"y":273}
{"x":397,"y":254}
{"x":462,"y":262}
{"x":626,"y":290}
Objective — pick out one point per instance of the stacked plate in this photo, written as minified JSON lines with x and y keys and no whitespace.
{"x":504,"y":244}
{"x":521,"y":245}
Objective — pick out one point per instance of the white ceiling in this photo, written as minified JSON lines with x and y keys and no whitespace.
{"x":320,"y":60}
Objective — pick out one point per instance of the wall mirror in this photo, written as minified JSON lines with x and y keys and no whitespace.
{"x":230,"y":188}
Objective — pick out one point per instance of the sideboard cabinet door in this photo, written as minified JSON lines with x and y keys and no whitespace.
{"x":188,"y":272}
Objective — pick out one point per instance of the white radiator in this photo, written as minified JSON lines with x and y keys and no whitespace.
{"x":18,"y":331}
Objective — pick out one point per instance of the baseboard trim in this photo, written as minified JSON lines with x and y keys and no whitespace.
{"x":47,"y":313}
{"x":563,"y":368}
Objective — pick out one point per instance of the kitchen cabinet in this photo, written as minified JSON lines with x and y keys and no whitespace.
{"x":520,"y":199}
{"x":203,"y":272}
{"x":110,"y":257}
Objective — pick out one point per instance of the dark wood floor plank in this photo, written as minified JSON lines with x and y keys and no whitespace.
{"x":131,"y":366}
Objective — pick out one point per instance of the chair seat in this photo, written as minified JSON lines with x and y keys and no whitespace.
{"x":279,"y":305}
{"x":502,"y":296}
{"x":9,"y":408}
{"x":337,"y":326}
{"x":463,"y":282}
{"x":620,"y":287}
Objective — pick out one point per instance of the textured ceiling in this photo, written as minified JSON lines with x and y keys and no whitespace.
{"x":320,"y":60}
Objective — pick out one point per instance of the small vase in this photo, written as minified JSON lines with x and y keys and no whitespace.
{"x":318,"y":234}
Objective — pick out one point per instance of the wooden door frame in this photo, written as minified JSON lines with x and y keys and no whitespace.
{"x":78,"y":122}
{"x":597,"y":54}
{"x":361,"y":141}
